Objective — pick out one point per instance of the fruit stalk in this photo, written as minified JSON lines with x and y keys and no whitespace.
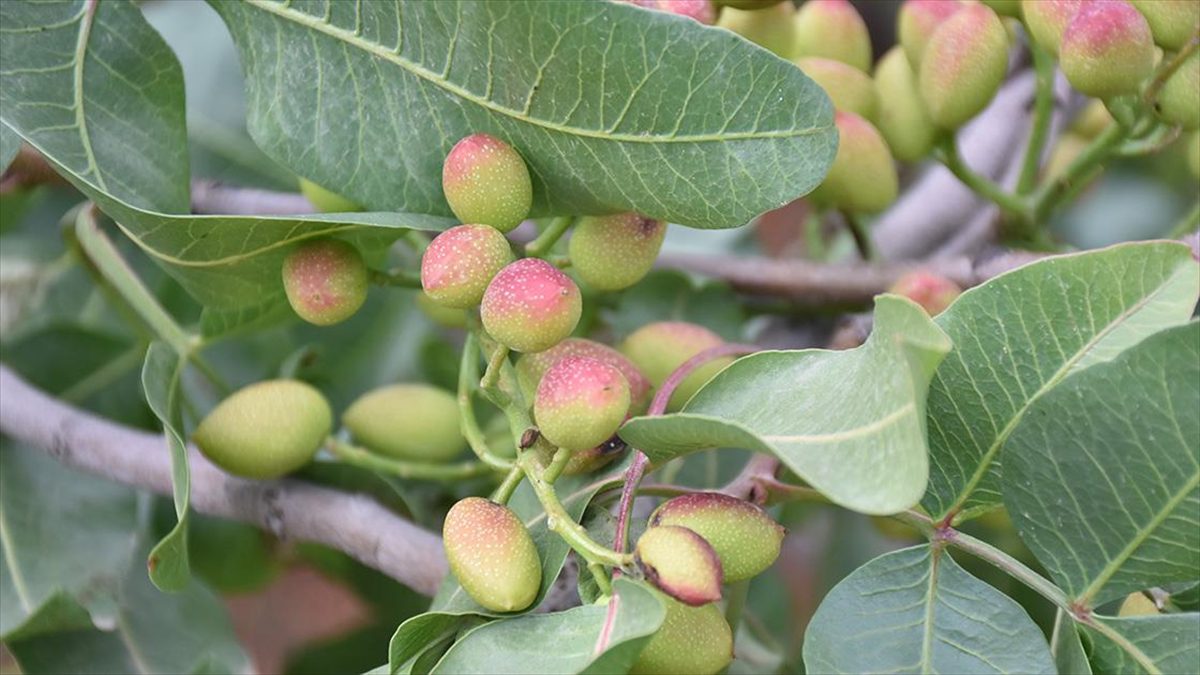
{"x":1043,"y":111}
{"x":947,"y":153}
{"x":1051,"y":194}
{"x":397,"y":277}
{"x":351,"y":454}
{"x":468,"y":371}
{"x":1168,"y":69}
{"x":540,"y":246}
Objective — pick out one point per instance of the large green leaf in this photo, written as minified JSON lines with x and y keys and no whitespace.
{"x":1147,"y":644}
{"x":614,"y":108}
{"x":851,"y":423}
{"x":1017,"y":336}
{"x":1102,"y":477}
{"x":917,"y":611}
{"x":10,"y":144}
{"x":1067,"y":648}
{"x":162,"y":376}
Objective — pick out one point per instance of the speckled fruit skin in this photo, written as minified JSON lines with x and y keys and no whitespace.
{"x":530,"y":306}
{"x":614,"y":252}
{"x":486,"y":182}
{"x":701,"y":10}
{"x":678,"y":562}
{"x":531,"y":368}
{"x":770,"y":27}
{"x":325,"y":281}
{"x":693,"y":640}
{"x":933,"y":292}
{"x":492,"y":555}
{"x":863,"y":176}
{"x":1047,"y":19}
{"x":444,"y":316}
{"x":324,"y":200}
{"x":580,"y":402}
{"x":1171,"y":21}
{"x":848,"y":88}
{"x":459,"y":264}
{"x":917,"y":21}
{"x":1137,"y":604}
{"x":1179,"y":100}
{"x":657,"y":349}
{"x":833,"y":29}
{"x":1107,"y":50}
{"x":743,"y":536}
{"x":903,"y":121}
{"x":963,"y":66}
{"x":265,"y":430}
{"x":407,"y":421}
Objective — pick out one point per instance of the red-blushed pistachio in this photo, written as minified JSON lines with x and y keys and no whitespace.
{"x":863,"y":176}
{"x":903,"y":120}
{"x":916,"y":22}
{"x":933,"y":292}
{"x":681,"y":564}
{"x":769,"y":27}
{"x":1047,"y":19}
{"x":614,"y":252}
{"x":407,"y":421}
{"x":1093,"y":119}
{"x":486,"y":181}
{"x":531,"y":368}
{"x":324,"y":200}
{"x":701,"y":10}
{"x":848,"y":88}
{"x":657,"y":349}
{"x":1179,"y":100}
{"x":743,"y":536}
{"x":693,"y":640}
{"x":963,"y":65}
{"x":580,"y":403}
{"x":444,"y":316}
{"x":325,"y":281}
{"x":833,"y":29}
{"x":492,"y":555}
{"x":459,"y":263}
{"x":1137,"y":604}
{"x":530,"y":306}
{"x":265,"y":430}
{"x":1107,"y":50}
{"x":1172,"y":21}
{"x":1005,"y":7}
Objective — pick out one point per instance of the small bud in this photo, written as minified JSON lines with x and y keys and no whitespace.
{"x":1106,"y":50}
{"x":459,"y":264}
{"x":326,"y":201}
{"x":530,"y":306}
{"x":265,"y":430}
{"x":325,"y":281}
{"x":492,"y":555}
{"x":916,"y":22}
{"x":681,"y":564}
{"x":614,"y":252}
{"x":963,"y":66}
{"x":848,"y":88}
{"x":1137,"y":604}
{"x":531,"y":367}
{"x":1179,"y":100}
{"x":657,"y":349}
{"x":863,"y":176}
{"x":744,"y":537}
{"x":1047,"y":19}
{"x":485,"y":181}
{"x":1171,"y":21}
{"x":903,"y":121}
{"x":1005,"y":7}
{"x":580,"y":403}
{"x":444,"y":316}
{"x":1091,"y":121}
{"x":933,"y":292}
{"x":833,"y":29}
{"x":694,"y":640}
{"x":770,"y":27}
{"x":407,"y":421}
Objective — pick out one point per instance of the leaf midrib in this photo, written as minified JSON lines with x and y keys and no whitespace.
{"x":927,"y":638}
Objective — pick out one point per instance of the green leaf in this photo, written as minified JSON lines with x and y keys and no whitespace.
{"x":1102,"y":477}
{"x":562,"y":642}
{"x":1187,"y":599}
{"x":916,"y":611}
{"x":420,"y":634}
{"x":1169,"y":643}
{"x":1069,"y":657}
{"x":161,"y":379}
{"x":1017,"y":336}
{"x":10,"y":144}
{"x":613,"y":107}
{"x":850,"y":423}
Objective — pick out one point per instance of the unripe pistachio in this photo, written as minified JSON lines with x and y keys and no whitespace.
{"x":681,"y":564}
{"x":848,"y":88}
{"x":492,"y":555}
{"x":531,"y":306}
{"x":933,"y":292}
{"x":442,"y":315}
{"x":1106,"y":50}
{"x":693,"y":640}
{"x":770,"y":27}
{"x":917,"y":21}
{"x":1047,"y":19}
{"x":1137,"y":604}
{"x":325,"y":281}
{"x":324,"y":200}
{"x":657,"y":349}
{"x":614,"y":252}
{"x":743,"y":536}
{"x":700,"y":10}
{"x":531,"y":367}
{"x":1005,"y":7}
{"x":1193,"y":153}
{"x":265,"y":430}
{"x":1093,"y":119}
{"x":486,"y":181}
{"x":833,"y":29}
{"x":963,"y":65}
{"x":580,"y":403}
{"x":1179,"y":100}
{"x":407,"y":421}
{"x":863,"y":176}
{"x":903,"y":122}
{"x":1171,"y":21}
{"x":459,"y":264}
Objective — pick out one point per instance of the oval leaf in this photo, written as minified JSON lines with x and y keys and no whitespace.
{"x":1147,"y":644}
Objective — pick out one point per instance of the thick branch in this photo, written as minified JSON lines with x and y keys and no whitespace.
{"x":289,"y":509}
